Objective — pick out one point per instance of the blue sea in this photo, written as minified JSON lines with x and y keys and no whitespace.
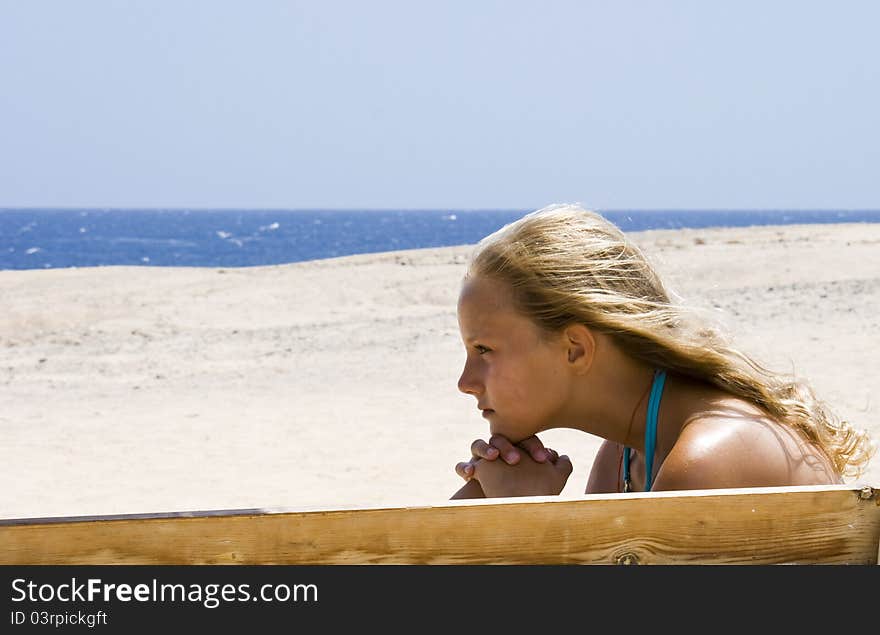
{"x":56,"y":238}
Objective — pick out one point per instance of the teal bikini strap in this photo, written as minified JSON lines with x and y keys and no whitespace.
{"x":651,"y":425}
{"x":650,"y":432}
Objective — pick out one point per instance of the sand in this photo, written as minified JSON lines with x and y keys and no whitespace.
{"x":332,"y":383}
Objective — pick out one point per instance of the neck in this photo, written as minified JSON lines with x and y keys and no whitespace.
{"x":611,"y":400}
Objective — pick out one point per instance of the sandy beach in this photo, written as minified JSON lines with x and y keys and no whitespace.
{"x":333,"y":383}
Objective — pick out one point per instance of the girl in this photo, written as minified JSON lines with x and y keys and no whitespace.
{"x":566,"y":324}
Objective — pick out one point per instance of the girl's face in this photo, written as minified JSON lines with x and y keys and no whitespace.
{"x":517,"y":374}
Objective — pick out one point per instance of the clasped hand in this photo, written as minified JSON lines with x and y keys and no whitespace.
{"x":525,"y":469}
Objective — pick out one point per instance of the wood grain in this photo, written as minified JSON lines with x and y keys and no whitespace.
{"x":798,"y":525}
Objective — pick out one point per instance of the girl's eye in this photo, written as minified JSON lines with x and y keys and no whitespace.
{"x":481,"y":349}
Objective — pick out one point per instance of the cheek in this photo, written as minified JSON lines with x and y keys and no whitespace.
{"x":549,"y":379}
{"x":534,"y":382}
{"x":547,"y":387}
{"x":507,"y":385}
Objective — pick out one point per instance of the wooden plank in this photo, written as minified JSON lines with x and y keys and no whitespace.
{"x":805,"y":525}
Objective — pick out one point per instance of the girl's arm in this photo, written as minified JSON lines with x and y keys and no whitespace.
{"x":471,"y":489}
{"x":605,"y":473}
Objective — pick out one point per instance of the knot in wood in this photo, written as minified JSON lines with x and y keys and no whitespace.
{"x":628,"y":558}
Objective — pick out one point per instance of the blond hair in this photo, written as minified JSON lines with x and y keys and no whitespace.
{"x":569,"y":265}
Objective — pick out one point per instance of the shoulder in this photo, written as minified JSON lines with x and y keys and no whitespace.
{"x":743,"y":448}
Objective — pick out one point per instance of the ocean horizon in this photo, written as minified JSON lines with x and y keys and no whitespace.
{"x":51,"y":238}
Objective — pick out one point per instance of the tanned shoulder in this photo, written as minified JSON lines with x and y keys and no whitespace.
{"x":720,"y":451}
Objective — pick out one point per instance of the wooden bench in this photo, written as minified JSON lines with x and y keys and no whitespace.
{"x":837,"y":524}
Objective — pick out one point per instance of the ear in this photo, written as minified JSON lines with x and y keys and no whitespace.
{"x":580,"y":343}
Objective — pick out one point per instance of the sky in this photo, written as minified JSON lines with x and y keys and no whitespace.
{"x":440,"y":105}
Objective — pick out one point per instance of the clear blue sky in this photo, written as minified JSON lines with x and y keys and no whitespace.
{"x":451,"y":104}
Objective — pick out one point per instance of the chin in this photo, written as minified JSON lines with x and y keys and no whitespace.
{"x":513,"y":436}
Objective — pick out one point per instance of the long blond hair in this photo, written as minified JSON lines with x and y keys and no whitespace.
{"x":566,"y":264}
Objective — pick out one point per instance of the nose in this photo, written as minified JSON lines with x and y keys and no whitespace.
{"x":469,"y":382}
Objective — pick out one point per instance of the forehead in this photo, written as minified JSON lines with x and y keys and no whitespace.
{"x":486,"y":308}
{"x":484,"y":294}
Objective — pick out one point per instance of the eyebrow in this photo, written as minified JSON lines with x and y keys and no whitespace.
{"x":479,"y":336}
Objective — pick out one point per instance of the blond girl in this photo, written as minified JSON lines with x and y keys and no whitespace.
{"x":567,"y":325}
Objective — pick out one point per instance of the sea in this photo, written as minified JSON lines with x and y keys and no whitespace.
{"x":61,"y":238}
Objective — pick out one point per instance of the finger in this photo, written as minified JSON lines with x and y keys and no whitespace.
{"x":535,"y":448}
{"x":466,"y":469}
{"x":563,"y":464}
{"x":481,"y":449}
{"x":506,"y":449}
{"x":554,"y":455}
